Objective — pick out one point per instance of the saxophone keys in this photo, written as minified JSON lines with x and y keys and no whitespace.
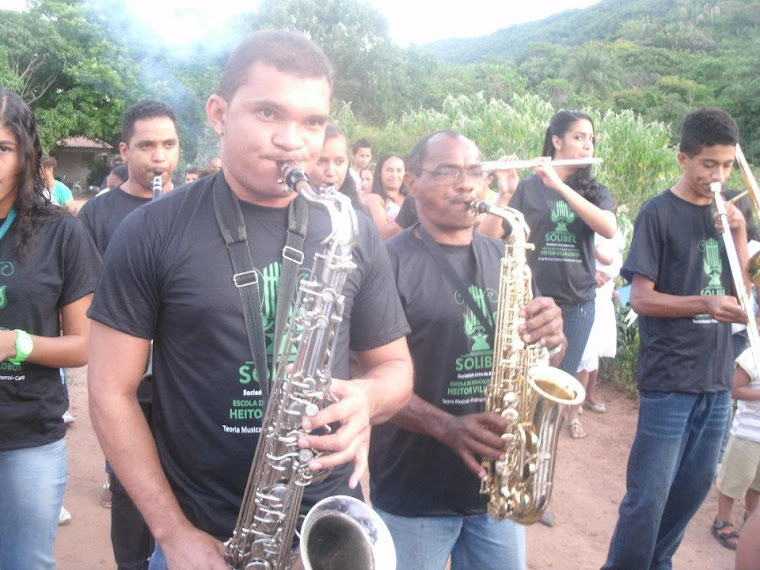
{"x":510,"y":440}
{"x":510,"y":414}
{"x":310,"y":410}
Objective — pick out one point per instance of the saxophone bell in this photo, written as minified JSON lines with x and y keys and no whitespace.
{"x":343,"y":533}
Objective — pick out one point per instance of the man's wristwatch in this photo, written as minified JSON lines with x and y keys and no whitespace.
{"x":24,"y":347}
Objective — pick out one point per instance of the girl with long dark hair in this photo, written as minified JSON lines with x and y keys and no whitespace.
{"x":388,"y":193}
{"x":48,"y":269}
{"x":564,"y":207}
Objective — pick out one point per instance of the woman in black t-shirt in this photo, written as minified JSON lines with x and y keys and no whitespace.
{"x":48,"y":269}
{"x":563,"y":206}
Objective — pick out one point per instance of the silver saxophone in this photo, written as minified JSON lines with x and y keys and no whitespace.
{"x":524,"y":390}
{"x":339,"y":532}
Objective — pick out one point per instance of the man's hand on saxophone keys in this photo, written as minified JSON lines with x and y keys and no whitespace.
{"x":474,"y":436}
{"x":543,"y":323}
{"x":351,"y":440}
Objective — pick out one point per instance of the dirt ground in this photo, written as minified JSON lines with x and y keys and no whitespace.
{"x":589,"y":484}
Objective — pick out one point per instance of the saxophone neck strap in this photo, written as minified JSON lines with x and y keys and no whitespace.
{"x":229,"y":217}
{"x":480,"y":312}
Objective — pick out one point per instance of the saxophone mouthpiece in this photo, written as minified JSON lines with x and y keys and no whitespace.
{"x":292,"y":176}
{"x":478,"y":207}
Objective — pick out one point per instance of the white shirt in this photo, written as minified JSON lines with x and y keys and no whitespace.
{"x":746,"y":423}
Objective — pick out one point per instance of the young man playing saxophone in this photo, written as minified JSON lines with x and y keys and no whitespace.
{"x":425,"y":464}
{"x":168,"y":276}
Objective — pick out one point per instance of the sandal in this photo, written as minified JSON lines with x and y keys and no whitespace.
{"x":595,"y":407}
{"x":105,"y":496}
{"x":729,"y":538}
{"x":576,"y":430}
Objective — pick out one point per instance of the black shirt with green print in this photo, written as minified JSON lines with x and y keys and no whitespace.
{"x":167,"y":276}
{"x":562,"y":262}
{"x":675,"y":245}
{"x":60,"y":268}
{"x":413,"y":474}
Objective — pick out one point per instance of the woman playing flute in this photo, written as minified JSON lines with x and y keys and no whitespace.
{"x":564,"y":207}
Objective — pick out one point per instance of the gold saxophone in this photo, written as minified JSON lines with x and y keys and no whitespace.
{"x":524,"y":390}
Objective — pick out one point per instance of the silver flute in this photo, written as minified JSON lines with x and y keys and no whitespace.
{"x":496,"y":165}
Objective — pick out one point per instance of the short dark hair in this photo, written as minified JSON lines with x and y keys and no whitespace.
{"x":48,"y":162}
{"x":289,"y":52}
{"x":144,"y":110}
{"x":707,"y":126}
{"x":361,"y":143}
{"x":191,"y":169}
{"x":121,"y":171}
{"x":419,"y":151}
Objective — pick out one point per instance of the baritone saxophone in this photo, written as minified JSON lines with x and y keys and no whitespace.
{"x":524,"y":390}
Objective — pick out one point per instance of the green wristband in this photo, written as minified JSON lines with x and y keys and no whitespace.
{"x":24,"y":347}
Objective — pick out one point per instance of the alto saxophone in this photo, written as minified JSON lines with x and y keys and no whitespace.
{"x":338,"y":532}
{"x":524,"y":390}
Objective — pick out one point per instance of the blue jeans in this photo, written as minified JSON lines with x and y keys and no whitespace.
{"x":670,"y":470}
{"x":32,"y":482}
{"x":475,"y":541}
{"x":577,"y":321}
{"x":158,"y":560}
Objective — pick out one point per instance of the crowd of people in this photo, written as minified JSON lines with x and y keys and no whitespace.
{"x":180,"y":305}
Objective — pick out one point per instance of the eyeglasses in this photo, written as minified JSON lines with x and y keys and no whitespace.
{"x":453,"y":174}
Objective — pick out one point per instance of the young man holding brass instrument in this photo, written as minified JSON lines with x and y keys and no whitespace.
{"x":150,"y":146}
{"x":682,"y":292}
{"x":168,"y":276}
{"x":425,"y":463}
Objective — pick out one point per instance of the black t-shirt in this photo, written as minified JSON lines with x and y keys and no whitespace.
{"x":562,"y":262}
{"x":61,"y":268}
{"x":675,"y":245}
{"x":102,"y":214}
{"x":168,"y":276}
{"x":413,"y":474}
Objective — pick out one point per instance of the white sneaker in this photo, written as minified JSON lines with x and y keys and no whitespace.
{"x":68,"y":417}
{"x":64,"y":517}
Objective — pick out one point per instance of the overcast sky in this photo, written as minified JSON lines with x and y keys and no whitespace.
{"x":410,"y":21}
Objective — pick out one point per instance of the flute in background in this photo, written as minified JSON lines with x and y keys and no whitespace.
{"x":494,"y":165}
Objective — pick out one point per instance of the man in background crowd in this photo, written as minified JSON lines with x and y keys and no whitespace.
{"x":150,"y":146}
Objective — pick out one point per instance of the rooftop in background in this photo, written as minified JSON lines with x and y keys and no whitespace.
{"x":83,"y":143}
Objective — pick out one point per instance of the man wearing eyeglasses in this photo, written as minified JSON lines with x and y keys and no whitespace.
{"x":425,"y":464}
